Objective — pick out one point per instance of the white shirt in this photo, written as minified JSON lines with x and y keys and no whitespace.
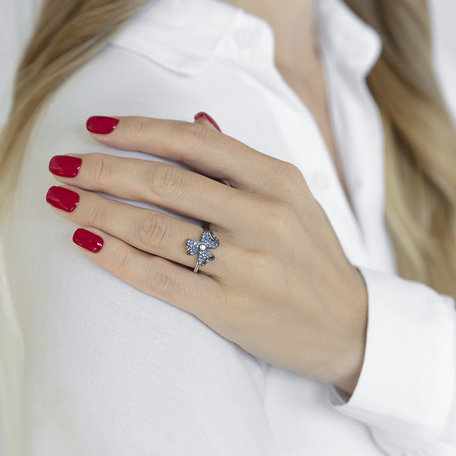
{"x":109,"y":370}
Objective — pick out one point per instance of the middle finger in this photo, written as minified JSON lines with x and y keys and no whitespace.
{"x":146,"y":229}
{"x":165,"y":185}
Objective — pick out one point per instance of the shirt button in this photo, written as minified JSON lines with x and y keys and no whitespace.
{"x":320,"y":180}
{"x":244,"y":37}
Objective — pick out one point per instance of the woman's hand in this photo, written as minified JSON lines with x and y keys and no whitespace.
{"x":280,"y":286}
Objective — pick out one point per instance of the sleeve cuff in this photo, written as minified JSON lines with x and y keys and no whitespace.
{"x":407,"y":381}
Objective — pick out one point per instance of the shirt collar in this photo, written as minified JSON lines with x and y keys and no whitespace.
{"x":185,"y":35}
{"x":352,"y":42}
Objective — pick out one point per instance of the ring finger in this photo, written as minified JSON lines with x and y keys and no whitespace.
{"x":146,"y":229}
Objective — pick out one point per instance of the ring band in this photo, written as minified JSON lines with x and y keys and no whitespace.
{"x":208,"y":241}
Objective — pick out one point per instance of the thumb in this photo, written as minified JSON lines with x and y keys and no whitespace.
{"x":206,"y":119}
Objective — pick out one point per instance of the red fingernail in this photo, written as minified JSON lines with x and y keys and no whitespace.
{"x":64,"y":165}
{"x":88,"y":240}
{"x":209,"y":118}
{"x":101,"y":124}
{"x":62,"y":198}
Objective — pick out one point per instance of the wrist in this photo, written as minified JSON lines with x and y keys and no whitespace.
{"x":354,"y":344}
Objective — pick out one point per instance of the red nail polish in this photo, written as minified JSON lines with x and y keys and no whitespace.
{"x":101,"y":124}
{"x":64,"y":165}
{"x":62,"y":198}
{"x":209,"y":118}
{"x":88,"y":240}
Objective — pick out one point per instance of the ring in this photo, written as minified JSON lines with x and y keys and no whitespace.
{"x":208,"y":241}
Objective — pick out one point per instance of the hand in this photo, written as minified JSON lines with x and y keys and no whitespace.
{"x":280,"y":286}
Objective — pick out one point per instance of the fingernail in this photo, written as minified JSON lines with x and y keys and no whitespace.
{"x":88,"y":240}
{"x":101,"y":124}
{"x":64,"y":165}
{"x":208,"y":117}
{"x":62,"y":198}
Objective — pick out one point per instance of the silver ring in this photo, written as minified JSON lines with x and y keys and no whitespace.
{"x":208,"y":241}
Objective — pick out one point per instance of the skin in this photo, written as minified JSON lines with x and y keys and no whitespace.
{"x":285,"y":293}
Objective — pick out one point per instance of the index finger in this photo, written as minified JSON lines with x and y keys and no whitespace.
{"x":211,"y":152}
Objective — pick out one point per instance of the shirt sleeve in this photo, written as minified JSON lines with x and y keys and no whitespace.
{"x":406,"y":390}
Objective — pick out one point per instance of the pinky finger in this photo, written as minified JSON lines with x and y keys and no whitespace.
{"x":151,"y":274}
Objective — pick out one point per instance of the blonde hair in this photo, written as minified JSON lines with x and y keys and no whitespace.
{"x":420,"y":208}
{"x":420,"y":136}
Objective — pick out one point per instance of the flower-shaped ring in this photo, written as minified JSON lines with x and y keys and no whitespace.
{"x":208,"y":241}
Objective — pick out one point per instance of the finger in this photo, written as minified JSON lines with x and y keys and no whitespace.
{"x":156,"y":276}
{"x":148,"y":230}
{"x":205,"y":119}
{"x":212,"y":153}
{"x":165,"y":185}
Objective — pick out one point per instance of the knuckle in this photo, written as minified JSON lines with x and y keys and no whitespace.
{"x":141,"y":129}
{"x":281,"y":216}
{"x":120,"y":261}
{"x":96,"y":215}
{"x":287,"y":176}
{"x":290,"y":173}
{"x":256,"y":263}
{"x":197,"y":136}
{"x":259,"y":261}
{"x":151,"y":231}
{"x":102,"y":169}
{"x":159,"y":280}
{"x":168,"y":181}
